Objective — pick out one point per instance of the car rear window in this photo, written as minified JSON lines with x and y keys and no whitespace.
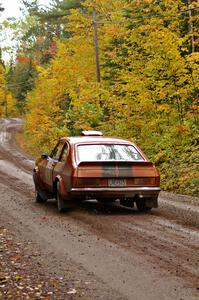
{"x":107,"y":152}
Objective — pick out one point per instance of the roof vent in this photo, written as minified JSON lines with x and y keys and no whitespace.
{"x":91,"y":133}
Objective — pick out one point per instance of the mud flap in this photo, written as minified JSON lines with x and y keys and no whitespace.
{"x":42,"y":193}
{"x":151,"y":202}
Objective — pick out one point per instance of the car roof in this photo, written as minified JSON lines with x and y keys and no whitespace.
{"x":95,"y":139}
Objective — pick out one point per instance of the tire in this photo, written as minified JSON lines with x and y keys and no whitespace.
{"x":141,"y":205}
{"x":61,"y":205}
{"x":38,"y":198}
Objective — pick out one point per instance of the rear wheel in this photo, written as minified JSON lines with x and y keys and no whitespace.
{"x":141,"y":205}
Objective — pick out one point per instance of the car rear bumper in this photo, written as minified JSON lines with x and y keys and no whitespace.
{"x":147,"y":192}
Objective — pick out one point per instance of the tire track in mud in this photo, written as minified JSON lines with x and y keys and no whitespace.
{"x":175,"y":252}
{"x":162,"y":243}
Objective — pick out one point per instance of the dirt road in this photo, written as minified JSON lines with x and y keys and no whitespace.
{"x":111,"y":252}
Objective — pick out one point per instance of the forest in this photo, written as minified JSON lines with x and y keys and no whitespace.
{"x":127,"y":68}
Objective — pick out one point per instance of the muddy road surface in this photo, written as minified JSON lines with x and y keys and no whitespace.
{"x":115,"y":253}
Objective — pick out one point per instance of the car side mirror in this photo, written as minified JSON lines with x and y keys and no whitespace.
{"x":44,"y":156}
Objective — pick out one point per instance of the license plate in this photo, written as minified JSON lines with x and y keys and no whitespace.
{"x":116,"y":182}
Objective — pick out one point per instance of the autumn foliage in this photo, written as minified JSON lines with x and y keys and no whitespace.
{"x":149,"y":84}
{"x":7,"y":102}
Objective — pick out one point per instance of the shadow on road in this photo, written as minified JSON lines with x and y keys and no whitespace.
{"x":95,"y":207}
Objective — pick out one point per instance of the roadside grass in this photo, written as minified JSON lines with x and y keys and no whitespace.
{"x":21,"y":142}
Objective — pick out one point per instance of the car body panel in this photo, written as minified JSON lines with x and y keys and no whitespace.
{"x":116,"y":169}
{"x":96,"y":179}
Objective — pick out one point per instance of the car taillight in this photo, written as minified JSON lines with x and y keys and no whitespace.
{"x":143,"y":181}
{"x":151,"y":181}
{"x":86,"y":182}
{"x":157,"y":181}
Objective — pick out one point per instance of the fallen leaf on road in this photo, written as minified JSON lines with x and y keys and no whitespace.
{"x":73,"y":291}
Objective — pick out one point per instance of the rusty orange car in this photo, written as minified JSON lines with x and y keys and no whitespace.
{"x":92,"y":166}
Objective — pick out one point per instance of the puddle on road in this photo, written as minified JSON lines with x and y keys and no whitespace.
{"x":11,"y":170}
{"x":7,"y":167}
{"x":5,"y":138}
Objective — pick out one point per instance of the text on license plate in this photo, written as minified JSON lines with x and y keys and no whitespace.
{"x":116,"y":182}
